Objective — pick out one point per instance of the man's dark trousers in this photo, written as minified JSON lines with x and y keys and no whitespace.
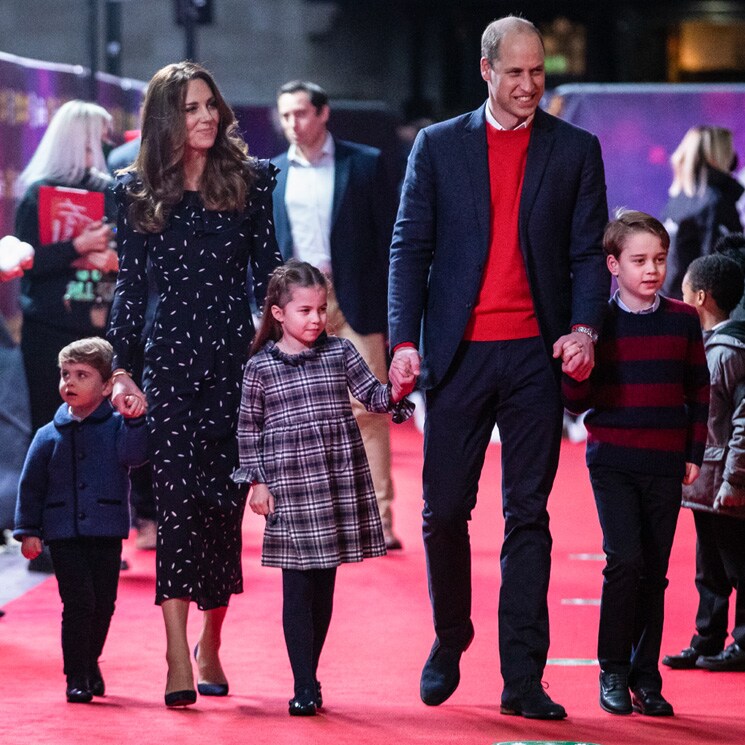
{"x":512,"y":383}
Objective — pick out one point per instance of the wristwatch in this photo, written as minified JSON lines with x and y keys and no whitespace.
{"x":589,"y":330}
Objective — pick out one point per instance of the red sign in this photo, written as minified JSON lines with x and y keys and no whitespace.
{"x":64,"y":212}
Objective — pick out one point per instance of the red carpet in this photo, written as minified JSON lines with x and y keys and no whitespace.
{"x":379,"y":638}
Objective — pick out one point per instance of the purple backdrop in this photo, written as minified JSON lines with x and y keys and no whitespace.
{"x":639,"y":126}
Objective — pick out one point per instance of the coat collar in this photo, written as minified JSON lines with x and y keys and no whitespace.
{"x":62,"y":416}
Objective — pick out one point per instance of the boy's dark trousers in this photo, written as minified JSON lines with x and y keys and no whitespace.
{"x":638,"y":514}
{"x":720,"y":566}
{"x":87,"y":571}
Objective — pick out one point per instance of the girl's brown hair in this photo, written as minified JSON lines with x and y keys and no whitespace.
{"x":283,"y":281}
{"x":159,"y":184}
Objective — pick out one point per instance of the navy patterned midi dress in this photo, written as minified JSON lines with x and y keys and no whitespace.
{"x":194,"y":360}
{"x":297,"y":434}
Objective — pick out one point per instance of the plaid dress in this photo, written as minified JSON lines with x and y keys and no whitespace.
{"x":297,"y":434}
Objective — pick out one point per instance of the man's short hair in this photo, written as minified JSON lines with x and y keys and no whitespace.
{"x":629,"y":222}
{"x":317,"y":95}
{"x":93,"y":351}
{"x":494,"y":33}
{"x":718,"y":276}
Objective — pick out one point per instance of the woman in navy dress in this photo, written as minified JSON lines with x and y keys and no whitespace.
{"x":199,"y":210}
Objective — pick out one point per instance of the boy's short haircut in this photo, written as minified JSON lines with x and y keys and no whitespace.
{"x":93,"y":351}
{"x":720,"y":277}
{"x":628,"y":222}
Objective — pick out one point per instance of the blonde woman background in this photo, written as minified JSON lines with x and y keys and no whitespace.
{"x":703,"y":198}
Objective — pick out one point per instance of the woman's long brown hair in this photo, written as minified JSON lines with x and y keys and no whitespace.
{"x":159,"y":183}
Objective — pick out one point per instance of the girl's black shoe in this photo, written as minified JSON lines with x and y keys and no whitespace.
{"x":77,"y":692}
{"x":304,"y":703}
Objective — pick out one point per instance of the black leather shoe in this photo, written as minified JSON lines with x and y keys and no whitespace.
{"x":532,"y":702}
{"x":210,"y":689}
{"x":95,"y":683}
{"x":304,"y":703}
{"x":614,"y":693}
{"x":686,"y":660}
{"x":441,"y":673}
{"x":181,"y":698}
{"x":731,"y":659}
{"x":650,"y":702}
{"x":77,"y":692}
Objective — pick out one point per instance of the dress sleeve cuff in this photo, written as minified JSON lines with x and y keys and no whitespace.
{"x":247,"y":475}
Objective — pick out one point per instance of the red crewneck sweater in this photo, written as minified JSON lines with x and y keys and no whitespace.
{"x":504,"y":308}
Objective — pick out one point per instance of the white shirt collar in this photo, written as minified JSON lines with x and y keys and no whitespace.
{"x":651,"y":309}
{"x":490,"y":118}
{"x":327,"y":151}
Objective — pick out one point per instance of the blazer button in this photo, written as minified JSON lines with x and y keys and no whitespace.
{"x":81,"y":515}
{"x":82,"y":485}
{"x":81,"y":456}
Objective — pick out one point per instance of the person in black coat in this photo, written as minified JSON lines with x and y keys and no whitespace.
{"x":703,"y":200}
{"x":67,"y":292}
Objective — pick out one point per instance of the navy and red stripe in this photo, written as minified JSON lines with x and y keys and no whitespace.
{"x":648,"y":396}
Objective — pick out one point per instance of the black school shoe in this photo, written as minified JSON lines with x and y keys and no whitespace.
{"x":77,"y":691}
{"x":304,"y":703}
{"x":731,"y":659}
{"x":614,"y":693}
{"x":686,"y":660}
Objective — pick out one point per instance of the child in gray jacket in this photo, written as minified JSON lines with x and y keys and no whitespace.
{"x":713,"y":285}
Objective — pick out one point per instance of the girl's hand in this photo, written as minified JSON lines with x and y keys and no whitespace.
{"x":262,"y":500}
{"x":127,"y":398}
{"x":31,"y":546}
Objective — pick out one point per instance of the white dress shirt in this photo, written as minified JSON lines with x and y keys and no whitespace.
{"x":309,"y":197}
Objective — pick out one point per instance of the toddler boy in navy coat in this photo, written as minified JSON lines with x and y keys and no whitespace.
{"x":74,"y":496}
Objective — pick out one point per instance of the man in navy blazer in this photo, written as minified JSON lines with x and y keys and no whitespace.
{"x":497,"y":275}
{"x":333,"y":207}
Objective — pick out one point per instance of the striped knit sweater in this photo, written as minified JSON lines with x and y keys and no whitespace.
{"x":648,"y":396}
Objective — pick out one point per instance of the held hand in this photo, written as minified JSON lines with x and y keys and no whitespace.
{"x":262,"y":500}
{"x":31,"y":546}
{"x":127,"y":398}
{"x":692,"y":472}
{"x":577,"y":354}
{"x":403,"y":381}
{"x":94,"y":237}
{"x":405,"y":366}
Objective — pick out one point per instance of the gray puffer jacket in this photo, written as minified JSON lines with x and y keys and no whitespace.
{"x":724,"y":458}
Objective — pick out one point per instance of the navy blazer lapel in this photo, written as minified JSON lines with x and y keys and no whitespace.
{"x":539,"y":151}
{"x":282,"y":228}
{"x":342,"y":171}
{"x":477,"y":162}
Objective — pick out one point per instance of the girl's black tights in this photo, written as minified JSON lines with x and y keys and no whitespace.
{"x":308,"y":599}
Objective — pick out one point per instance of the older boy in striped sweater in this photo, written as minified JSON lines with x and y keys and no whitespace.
{"x":647,"y":403}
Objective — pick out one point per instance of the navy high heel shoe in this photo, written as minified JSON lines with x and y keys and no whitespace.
{"x":181,"y":698}
{"x":210,"y":689}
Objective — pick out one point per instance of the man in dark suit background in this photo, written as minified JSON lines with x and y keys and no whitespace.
{"x":497,"y":266}
{"x":333,"y":207}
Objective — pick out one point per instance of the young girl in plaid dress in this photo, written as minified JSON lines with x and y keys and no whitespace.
{"x":301,"y":451}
